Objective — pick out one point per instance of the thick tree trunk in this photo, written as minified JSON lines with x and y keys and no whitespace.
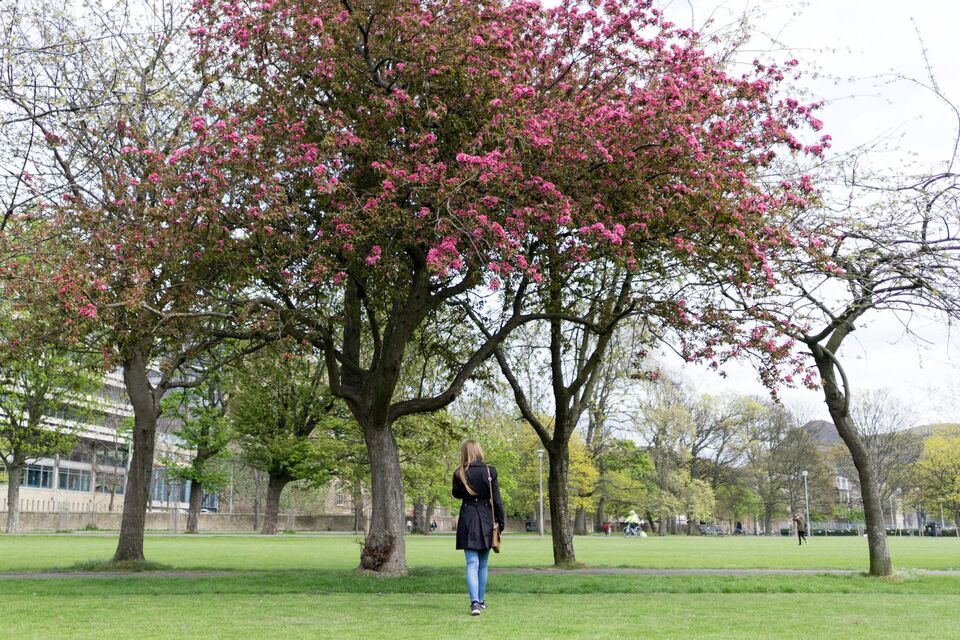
{"x":880,"y":564}
{"x":13,"y":497}
{"x":196,"y":501}
{"x":767,"y":521}
{"x":600,"y":517}
{"x":384,"y":550}
{"x":421,"y":521}
{"x":580,"y":522}
{"x":560,"y":529}
{"x":146,"y":411}
{"x":272,"y":512}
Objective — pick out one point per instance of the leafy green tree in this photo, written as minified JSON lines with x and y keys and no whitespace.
{"x":696,"y":499}
{"x":285,"y":421}
{"x":37,"y":382}
{"x":629,"y":479}
{"x":764,"y":467}
{"x":736,"y":502}
{"x":428,"y":446}
{"x":205,"y":428}
{"x":938,"y":472}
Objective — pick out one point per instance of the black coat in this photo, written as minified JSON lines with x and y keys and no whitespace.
{"x":475,"y":524}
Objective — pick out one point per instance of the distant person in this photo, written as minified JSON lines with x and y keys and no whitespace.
{"x":606,"y":528}
{"x":633,"y":524}
{"x":738,"y":531}
{"x":475,"y":483}
{"x":433,"y":526}
{"x":801,"y":527}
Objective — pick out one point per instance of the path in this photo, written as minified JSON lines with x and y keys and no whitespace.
{"x":67,"y":575}
{"x":705,"y":572}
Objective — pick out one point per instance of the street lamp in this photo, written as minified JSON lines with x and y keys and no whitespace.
{"x":806,"y":500}
{"x":540,"y":453}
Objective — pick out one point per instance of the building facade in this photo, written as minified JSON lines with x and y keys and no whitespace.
{"x":92,"y":477}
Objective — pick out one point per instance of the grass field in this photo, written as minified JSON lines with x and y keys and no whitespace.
{"x":294,"y":587}
{"x":39,"y":553}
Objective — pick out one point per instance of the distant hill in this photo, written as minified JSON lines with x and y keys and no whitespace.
{"x":825,"y":433}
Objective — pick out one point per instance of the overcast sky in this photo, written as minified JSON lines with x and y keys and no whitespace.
{"x":854,"y":47}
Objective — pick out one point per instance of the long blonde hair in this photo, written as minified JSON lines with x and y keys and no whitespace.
{"x":470,"y":452}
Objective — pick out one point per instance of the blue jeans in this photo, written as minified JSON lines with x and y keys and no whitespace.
{"x":476,"y":573}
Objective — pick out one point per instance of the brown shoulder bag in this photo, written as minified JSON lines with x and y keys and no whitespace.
{"x":495,"y":536}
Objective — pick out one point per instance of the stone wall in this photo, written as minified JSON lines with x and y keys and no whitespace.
{"x":177,"y":521}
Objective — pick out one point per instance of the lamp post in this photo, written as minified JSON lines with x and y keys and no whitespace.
{"x":806,"y":500}
{"x":540,"y":453}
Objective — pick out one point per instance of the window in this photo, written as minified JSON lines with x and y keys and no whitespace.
{"x":107,"y":456}
{"x":166,"y":488}
{"x":81,"y":453}
{"x":340,"y":498}
{"x":211,"y":502}
{"x":74,"y":480}
{"x":37,"y":475}
{"x":105,"y":482}
{"x":159,"y":485}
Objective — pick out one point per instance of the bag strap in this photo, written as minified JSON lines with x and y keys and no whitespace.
{"x":493,"y":514}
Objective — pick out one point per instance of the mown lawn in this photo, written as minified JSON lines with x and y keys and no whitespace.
{"x":293,"y":587}
{"x":38,"y":553}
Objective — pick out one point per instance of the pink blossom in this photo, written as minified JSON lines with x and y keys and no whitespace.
{"x":88,"y":311}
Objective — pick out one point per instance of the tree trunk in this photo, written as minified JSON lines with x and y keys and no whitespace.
{"x":257,"y":501}
{"x":146,"y":411}
{"x":271,"y":513}
{"x":356,"y":496}
{"x":880,"y":564}
{"x":767,"y":521}
{"x":421,"y":521}
{"x":384,"y":550}
{"x":580,"y":522}
{"x":196,"y":501}
{"x":560,"y":529}
{"x":600,"y":517}
{"x":13,"y":497}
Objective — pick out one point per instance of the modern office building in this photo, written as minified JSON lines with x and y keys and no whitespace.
{"x":92,"y":477}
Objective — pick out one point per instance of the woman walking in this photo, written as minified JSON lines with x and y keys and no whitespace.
{"x":475,"y":483}
{"x":801,"y":527}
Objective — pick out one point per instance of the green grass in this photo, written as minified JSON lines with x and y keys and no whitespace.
{"x":39,"y":553}
{"x":344,"y":616}
{"x":293,"y":587}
